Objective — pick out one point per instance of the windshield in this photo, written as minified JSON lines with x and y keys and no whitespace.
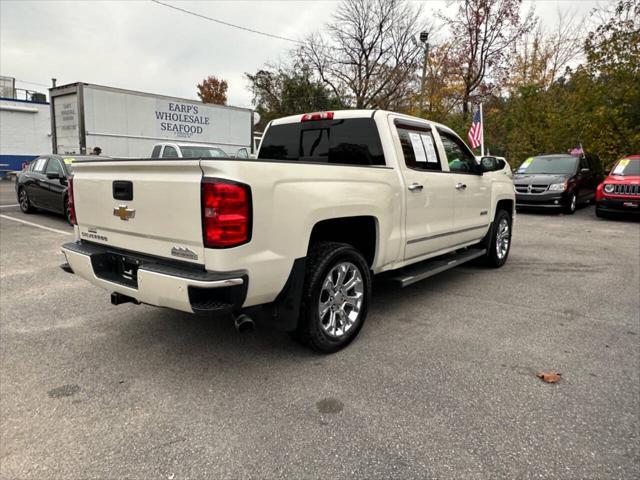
{"x":206,"y":152}
{"x":627,"y":167}
{"x":560,"y":164}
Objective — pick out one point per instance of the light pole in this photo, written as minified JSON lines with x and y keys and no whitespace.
{"x":424,"y":38}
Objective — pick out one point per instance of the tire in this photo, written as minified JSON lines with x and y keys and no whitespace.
{"x":498,"y":246}
{"x":25,"y":203}
{"x":572,"y":204}
{"x":338,"y":325}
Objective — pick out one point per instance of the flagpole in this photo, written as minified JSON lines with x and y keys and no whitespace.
{"x":481,"y":132}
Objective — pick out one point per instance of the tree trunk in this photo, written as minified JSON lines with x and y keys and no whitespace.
{"x":465,"y":105}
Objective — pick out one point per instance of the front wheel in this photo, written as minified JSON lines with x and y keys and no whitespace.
{"x":499,"y":241}
{"x":336,"y":297}
{"x":572,"y":204}
{"x":24,"y":201}
{"x":600,"y":213}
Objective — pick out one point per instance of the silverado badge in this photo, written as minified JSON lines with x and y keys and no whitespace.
{"x":184,"y":252}
{"x":124,"y":212}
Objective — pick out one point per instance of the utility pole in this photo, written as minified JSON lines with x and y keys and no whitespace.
{"x":424,"y":38}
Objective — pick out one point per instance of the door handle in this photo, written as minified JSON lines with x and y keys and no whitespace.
{"x":460,"y":186}
{"x":415,"y":187}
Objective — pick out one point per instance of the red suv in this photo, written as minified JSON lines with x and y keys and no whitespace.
{"x":620,"y":190}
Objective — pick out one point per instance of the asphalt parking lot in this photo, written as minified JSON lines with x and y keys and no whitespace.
{"x":441,"y":382}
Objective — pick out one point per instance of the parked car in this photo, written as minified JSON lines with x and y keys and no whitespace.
{"x":186,"y":150}
{"x":243,"y":153}
{"x":557,"y":181}
{"x":620,"y":190}
{"x":43,"y":183}
{"x":293,"y":237}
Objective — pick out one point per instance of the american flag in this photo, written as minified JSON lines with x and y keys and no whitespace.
{"x":577,"y":152}
{"x":475,"y":132}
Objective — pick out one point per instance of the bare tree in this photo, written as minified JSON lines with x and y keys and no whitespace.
{"x":369,"y":55}
{"x":484,"y":33}
{"x":542,"y":56}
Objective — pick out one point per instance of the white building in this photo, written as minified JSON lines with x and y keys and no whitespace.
{"x":126,"y":123}
{"x":25,"y":127}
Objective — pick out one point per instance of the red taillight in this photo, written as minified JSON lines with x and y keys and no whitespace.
{"x":308,"y":117}
{"x":226,"y":213}
{"x":70,"y":203}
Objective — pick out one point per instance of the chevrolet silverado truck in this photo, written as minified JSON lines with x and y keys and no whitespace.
{"x":293,"y":237}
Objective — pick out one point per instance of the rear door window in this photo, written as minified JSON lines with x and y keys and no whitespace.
{"x":353,"y":141}
{"x":419,"y":148}
{"x":40,"y":165}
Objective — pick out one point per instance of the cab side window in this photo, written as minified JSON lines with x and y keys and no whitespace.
{"x":54,"y":167}
{"x":460,"y":159}
{"x":156,"y":151}
{"x":418,"y":148}
{"x":169,"y":152}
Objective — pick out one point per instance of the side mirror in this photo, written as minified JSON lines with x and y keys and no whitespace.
{"x":607,"y":171}
{"x":54,"y":175}
{"x":489,"y":164}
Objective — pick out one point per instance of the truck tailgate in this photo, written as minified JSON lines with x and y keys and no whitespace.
{"x":160,"y":216}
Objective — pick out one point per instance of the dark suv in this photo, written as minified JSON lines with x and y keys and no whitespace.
{"x":557,"y":181}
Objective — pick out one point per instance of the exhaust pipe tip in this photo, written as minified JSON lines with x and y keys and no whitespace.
{"x":243,"y":323}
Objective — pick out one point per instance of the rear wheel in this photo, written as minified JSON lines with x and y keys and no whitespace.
{"x":336,"y":297}
{"x":499,"y":241}
{"x":24,"y":201}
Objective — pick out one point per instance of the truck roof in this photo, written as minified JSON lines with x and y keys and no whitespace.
{"x":189,"y":144}
{"x":367,"y":113}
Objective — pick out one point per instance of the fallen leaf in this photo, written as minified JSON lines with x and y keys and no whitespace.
{"x":549,"y":377}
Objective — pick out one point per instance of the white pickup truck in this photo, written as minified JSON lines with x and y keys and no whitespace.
{"x":294,"y":236}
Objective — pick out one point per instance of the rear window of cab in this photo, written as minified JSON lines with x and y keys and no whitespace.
{"x":352,"y":141}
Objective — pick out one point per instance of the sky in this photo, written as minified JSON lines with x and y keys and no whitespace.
{"x":140,"y":45}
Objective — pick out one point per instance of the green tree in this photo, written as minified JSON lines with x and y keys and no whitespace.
{"x":288,"y":90}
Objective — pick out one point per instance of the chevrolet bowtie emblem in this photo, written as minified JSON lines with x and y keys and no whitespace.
{"x":124,"y":212}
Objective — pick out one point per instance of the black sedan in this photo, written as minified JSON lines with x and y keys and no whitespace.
{"x":43,"y":184}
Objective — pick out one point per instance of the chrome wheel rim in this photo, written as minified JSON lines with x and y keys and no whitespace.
{"x":573,"y":203}
{"x":24,"y":200}
{"x":502,"y":239}
{"x":341,"y":298}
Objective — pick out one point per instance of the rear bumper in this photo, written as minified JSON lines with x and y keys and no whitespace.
{"x":619,"y":205}
{"x":158,"y":282}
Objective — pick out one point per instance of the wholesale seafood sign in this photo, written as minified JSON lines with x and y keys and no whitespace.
{"x":184,"y":120}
